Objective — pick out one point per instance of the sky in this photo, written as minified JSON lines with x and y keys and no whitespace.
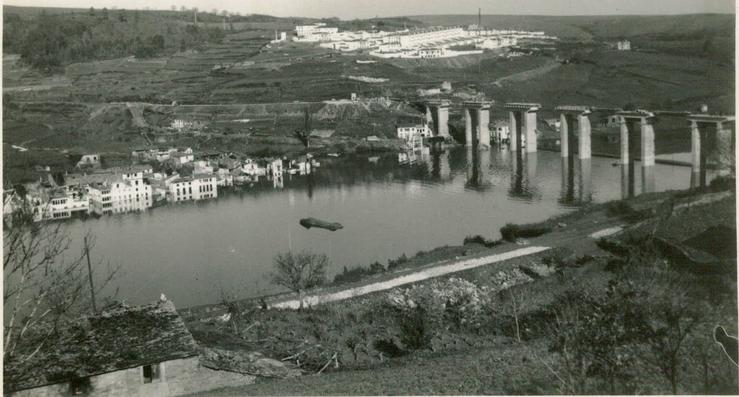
{"x":349,"y":9}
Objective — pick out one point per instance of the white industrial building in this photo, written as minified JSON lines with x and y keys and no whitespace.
{"x":196,"y":187}
{"x":127,"y":194}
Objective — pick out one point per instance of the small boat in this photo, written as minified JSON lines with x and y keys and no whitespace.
{"x":313,"y":222}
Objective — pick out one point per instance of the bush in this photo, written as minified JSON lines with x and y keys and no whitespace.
{"x":478,"y":239}
{"x":722,"y":183}
{"x":358,"y":273}
{"x":416,"y":329}
{"x":392,"y":264}
{"x":510,"y":232}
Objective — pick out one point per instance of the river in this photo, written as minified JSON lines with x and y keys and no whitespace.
{"x":193,"y":252}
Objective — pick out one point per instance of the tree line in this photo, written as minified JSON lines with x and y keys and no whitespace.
{"x":49,"y":42}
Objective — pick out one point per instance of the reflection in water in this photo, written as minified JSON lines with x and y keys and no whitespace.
{"x":440,"y":168}
{"x":523,"y":175}
{"x":567,"y":196}
{"x":648,"y":185}
{"x":478,"y":169}
{"x":585,"y":180}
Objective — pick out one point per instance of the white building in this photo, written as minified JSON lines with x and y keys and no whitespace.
{"x":501,"y":131}
{"x":89,"y":160}
{"x":126,"y":194}
{"x":623,"y":45}
{"x":61,"y":203}
{"x":196,"y":187}
{"x":411,"y":131}
{"x":424,"y":37}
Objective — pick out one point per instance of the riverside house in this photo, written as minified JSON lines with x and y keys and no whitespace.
{"x":196,"y":187}
{"x":123,"y":351}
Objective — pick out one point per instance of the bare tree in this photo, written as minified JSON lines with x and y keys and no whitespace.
{"x":304,"y":135}
{"x":42,"y":288}
{"x":299,"y":272}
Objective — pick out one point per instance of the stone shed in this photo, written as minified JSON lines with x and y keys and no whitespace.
{"x":124,"y":351}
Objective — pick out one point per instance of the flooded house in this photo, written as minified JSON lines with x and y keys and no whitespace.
{"x":123,"y":351}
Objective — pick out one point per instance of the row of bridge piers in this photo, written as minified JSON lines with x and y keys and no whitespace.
{"x":707,"y":133}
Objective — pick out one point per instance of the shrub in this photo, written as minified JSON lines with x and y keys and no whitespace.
{"x":478,"y":239}
{"x":723,"y":182}
{"x":510,"y":232}
{"x":358,"y":273}
{"x":392,"y":264}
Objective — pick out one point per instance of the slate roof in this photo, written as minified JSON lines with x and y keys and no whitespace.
{"x":119,"y":338}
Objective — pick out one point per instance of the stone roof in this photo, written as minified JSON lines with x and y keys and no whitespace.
{"x":119,"y":338}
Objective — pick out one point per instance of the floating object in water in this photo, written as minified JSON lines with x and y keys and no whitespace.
{"x":313,"y":222}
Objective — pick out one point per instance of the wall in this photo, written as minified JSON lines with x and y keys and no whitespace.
{"x":179,"y":377}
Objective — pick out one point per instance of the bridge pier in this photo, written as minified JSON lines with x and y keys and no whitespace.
{"x":439,"y":111}
{"x":567,"y":117}
{"x":467,"y":127}
{"x":477,"y":123}
{"x":646,"y":132}
{"x":522,"y":118}
{"x":723,"y":144}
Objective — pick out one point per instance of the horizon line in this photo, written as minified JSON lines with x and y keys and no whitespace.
{"x":390,"y":16}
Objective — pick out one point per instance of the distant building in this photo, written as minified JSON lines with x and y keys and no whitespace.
{"x":553,"y":123}
{"x":89,"y":160}
{"x":501,"y":131}
{"x":196,"y":187}
{"x":623,"y":45}
{"x":408,"y":132}
{"x":124,"y":351}
{"x":611,"y":121}
{"x":431,"y":52}
{"x":126,"y":193}
{"x":61,"y":203}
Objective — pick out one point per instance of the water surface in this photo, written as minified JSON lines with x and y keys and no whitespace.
{"x":193,"y":251}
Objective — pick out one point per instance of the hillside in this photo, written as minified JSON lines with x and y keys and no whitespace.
{"x":679,"y":62}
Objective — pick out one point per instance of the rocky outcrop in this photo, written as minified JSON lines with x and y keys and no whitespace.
{"x":250,"y":363}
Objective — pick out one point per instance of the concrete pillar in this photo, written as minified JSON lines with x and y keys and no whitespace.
{"x":695,"y":156}
{"x":429,"y":117}
{"x":484,"y":121}
{"x":443,"y":121}
{"x":434,"y":120}
{"x":564,"y":139}
{"x":647,"y":142}
{"x":647,"y":155}
{"x":467,"y":127}
{"x":583,"y":138}
{"x":626,"y":184}
{"x":532,"y":164}
{"x":530,"y":131}
{"x":484,"y":172}
{"x":624,"y":141}
{"x":512,"y":131}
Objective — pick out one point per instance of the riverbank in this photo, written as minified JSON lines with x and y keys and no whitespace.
{"x":557,"y":230}
{"x":362,"y":337}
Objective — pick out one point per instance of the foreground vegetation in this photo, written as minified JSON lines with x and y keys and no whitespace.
{"x":625,"y":316}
